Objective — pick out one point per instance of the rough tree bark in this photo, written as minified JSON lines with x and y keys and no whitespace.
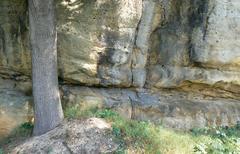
{"x":43,"y":37}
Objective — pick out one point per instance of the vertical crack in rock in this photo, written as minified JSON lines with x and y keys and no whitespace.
{"x":132,"y":107}
{"x":3,"y":43}
{"x":134,"y":48}
{"x":140,"y":52}
{"x":207,"y":23}
{"x":198,"y":17}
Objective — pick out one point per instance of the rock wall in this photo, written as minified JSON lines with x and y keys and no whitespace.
{"x":196,"y":42}
{"x":14,"y":43}
{"x":132,"y":43}
{"x":191,"y":47}
{"x":95,"y":40}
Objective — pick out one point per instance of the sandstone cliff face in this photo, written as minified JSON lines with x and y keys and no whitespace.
{"x":196,"y":42}
{"x":132,"y":43}
{"x":190,"y":46}
{"x":14,"y":44}
{"x":95,"y":40}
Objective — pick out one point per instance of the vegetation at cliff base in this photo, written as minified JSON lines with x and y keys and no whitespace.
{"x":145,"y":137}
{"x":135,"y":137}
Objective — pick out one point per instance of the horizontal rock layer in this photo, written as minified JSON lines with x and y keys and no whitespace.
{"x":177,"y":109}
{"x":174,"y":109}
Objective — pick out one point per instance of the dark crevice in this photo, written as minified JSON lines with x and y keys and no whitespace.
{"x":132,"y":107}
{"x":198,"y":17}
{"x":135,"y":47}
{"x":66,"y":146}
{"x":205,"y":29}
{"x":2,"y":39}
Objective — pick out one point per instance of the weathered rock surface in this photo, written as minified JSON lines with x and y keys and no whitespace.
{"x":15,"y":106}
{"x":196,"y":42}
{"x":174,"y":109}
{"x":95,"y":40}
{"x":216,"y":42}
{"x":73,"y":137}
{"x":132,"y":43}
{"x":14,"y":43}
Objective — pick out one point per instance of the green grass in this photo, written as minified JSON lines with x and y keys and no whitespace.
{"x":222,"y":140}
{"x":145,"y":137}
{"x":76,"y":112}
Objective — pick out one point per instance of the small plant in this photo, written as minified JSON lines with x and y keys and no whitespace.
{"x":106,"y":114}
{"x":72,"y":112}
{"x":27,"y":126}
{"x":23,"y":130}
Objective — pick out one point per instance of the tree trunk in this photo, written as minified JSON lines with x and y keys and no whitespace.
{"x":43,"y":38}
